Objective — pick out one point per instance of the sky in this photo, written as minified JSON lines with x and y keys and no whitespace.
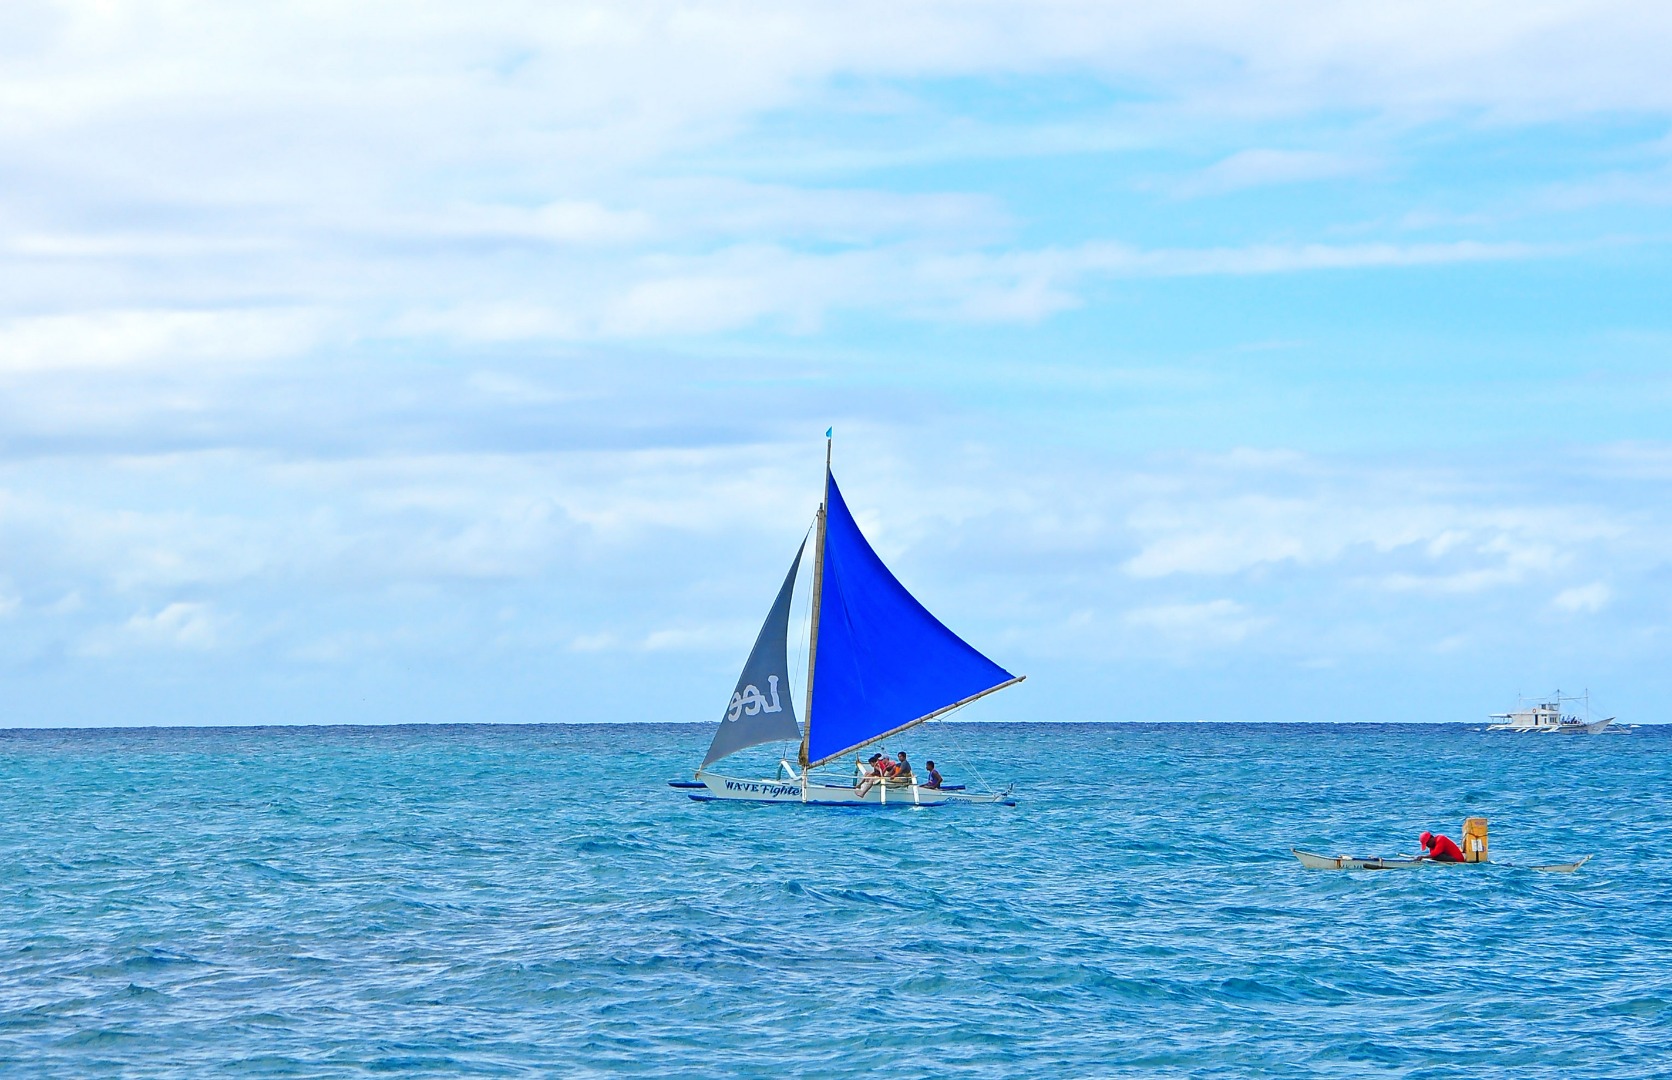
{"x":1216,"y":360}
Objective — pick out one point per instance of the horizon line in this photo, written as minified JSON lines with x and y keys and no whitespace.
{"x":8,"y":729}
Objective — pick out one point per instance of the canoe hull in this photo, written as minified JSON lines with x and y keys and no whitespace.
{"x":1360,"y":862}
{"x":1371,"y":862}
{"x":734,"y":789}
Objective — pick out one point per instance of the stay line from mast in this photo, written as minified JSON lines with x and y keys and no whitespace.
{"x":910,"y":724}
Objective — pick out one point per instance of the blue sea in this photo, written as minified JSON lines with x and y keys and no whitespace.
{"x":535,"y":901}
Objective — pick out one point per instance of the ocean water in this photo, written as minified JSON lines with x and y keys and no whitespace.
{"x":535,"y":901}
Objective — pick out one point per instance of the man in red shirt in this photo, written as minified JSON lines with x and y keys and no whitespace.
{"x":1440,"y":848}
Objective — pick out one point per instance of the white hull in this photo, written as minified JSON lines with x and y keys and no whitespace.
{"x":819,"y":794}
{"x":734,"y":789}
{"x":1593,"y":728}
{"x":1355,"y":862}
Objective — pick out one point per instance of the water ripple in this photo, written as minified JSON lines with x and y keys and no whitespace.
{"x":470,"y":901}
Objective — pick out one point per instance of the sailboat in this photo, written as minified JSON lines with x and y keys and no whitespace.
{"x":878,"y":664}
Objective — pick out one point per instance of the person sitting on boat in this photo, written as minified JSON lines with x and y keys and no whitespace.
{"x":869,"y":773}
{"x":1440,"y":848}
{"x":902,"y":768}
{"x":934,"y":777}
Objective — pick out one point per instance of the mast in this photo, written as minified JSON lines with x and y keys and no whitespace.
{"x":818,"y":592}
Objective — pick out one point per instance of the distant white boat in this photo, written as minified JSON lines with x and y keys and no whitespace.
{"x":878,"y":664}
{"x":1547,"y":717}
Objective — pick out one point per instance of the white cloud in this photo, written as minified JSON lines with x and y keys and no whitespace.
{"x":1246,"y":531}
{"x":1461,"y":582}
{"x":375,"y":158}
{"x":363,"y":254}
{"x":566,"y":222}
{"x":499,"y":321}
{"x":653,"y":70}
{"x":1391,"y":532}
{"x":719,"y":208}
{"x":68,"y":604}
{"x":1285,"y":259}
{"x":693,"y":638}
{"x":714,"y":292}
{"x":1213,"y":623}
{"x":711,"y":302}
{"x":337,"y":648}
{"x":125,"y":340}
{"x":607,"y":555}
{"x":1263,"y":167}
{"x":1583,"y":599}
{"x":744,"y":287}
{"x":753,"y":285}
{"x":378,"y":522}
{"x":599,"y":642}
{"x":179,"y":625}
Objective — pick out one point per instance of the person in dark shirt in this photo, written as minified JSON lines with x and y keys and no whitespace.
{"x":903,"y":768}
{"x":934,"y":777}
{"x":1440,"y":848}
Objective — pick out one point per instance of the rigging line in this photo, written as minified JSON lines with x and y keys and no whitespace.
{"x":964,"y":757}
{"x":936,"y":715}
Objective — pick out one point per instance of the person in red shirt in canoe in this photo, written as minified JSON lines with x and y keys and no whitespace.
{"x":1440,"y":848}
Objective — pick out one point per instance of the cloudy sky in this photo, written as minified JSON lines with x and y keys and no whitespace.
{"x":470,"y":362}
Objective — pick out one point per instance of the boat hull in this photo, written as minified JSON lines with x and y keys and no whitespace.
{"x":1358,"y":862}
{"x":1594,"y":728}
{"x":734,"y":789}
{"x":1370,"y":862}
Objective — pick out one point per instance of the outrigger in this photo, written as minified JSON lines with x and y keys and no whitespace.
{"x":1475,"y":852}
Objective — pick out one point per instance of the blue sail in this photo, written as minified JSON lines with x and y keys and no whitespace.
{"x":881,"y":662}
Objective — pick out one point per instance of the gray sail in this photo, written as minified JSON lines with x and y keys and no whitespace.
{"x":760,"y":710}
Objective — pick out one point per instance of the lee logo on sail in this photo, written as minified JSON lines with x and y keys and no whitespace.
{"x":749,"y":701}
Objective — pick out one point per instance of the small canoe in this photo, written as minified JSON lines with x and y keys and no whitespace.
{"x":1359,"y":862}
{"x":1373,"y":862}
